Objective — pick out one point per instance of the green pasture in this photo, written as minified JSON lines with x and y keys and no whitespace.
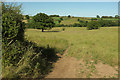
{"x":98,"y":45}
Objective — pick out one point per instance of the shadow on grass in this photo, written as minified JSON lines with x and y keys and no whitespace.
{"x":46,"y":58}
{"x":52,"y":31}
{"x":48,"y":53}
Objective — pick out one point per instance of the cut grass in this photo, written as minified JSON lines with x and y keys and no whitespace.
{"x":97,"y":45}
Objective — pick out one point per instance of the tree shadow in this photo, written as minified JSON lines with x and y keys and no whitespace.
{"x":52,"y":31}
{"x":48,"y":53}
{"x":44,"y":56}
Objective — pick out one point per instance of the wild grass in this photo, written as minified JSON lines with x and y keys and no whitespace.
{"x":98,"y":45}
{"x":47,"y":39}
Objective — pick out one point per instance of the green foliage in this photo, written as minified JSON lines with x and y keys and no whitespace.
{"x":93,"y":25}
{"x":77,"y":25}
{"x":93,"y":19}
{"x":28,"y":60}
{"x":98,"y":16}
{"x":12,"y":53}
{"x":61,"y":18}
{"x":106,"y":17}
{"x":12,"y":25}
{"x":69,"y":16}
{"x":27,"y":16}
{"x":54,"y":15}
{"x":31,"y":25}
{"x":107,"y":23}
{"x":12,"y":33}
{"x":63,"y":29}
{"x":43,"y":21}
{"x":116,"y":16}
{"x":21,"y":58}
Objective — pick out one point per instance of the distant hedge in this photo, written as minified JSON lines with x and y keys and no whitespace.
{"x":93,"y":25}
{"x":54,"y":15}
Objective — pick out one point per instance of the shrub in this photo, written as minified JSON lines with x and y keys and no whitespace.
{"x":63,"y":29}
{"x":21,"y":58}
{"x":12,"y":33}
{"x":77,"y":25}
{"x":93,"y":25}
{"x":107,"y":23}
{"x":93,"y":19}
{"x":12,"y":25}
{"x":69,"y":16}
{"x":27,"y":16}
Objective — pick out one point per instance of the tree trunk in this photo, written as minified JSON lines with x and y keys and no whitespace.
{"x":42,"y":30}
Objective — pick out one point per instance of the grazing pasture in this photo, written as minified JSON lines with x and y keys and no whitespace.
{"x":93,"y":51}
{"x":98,"y":45}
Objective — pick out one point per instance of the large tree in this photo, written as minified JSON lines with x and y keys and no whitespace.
{"x":43,"y":21}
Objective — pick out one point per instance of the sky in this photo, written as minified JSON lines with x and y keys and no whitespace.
{"x":78,"y":9}
{"x":62,"y":0}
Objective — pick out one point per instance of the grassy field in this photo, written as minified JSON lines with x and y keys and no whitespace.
{"x":71,"y":20}
{"x":98,"y":45}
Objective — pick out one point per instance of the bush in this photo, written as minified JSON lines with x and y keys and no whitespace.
{"x":93,"y":25}
{"x":77,"y":25}
{"x":12,"y":25}
{"x":63,"y":29}
{"x":93,"y":19}
{"x":27,"y":16}
{"x":69,"y":16}
{"x":30,"y":25}
{"x":107,"y":23}
{"x":12,"y":33}
{"x":21,"y":58}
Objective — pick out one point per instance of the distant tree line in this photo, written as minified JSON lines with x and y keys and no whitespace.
{"x":54,"y":16}
{"x":38,"y":24}
{"x":116,"y":16}
{"x":103,"y":23}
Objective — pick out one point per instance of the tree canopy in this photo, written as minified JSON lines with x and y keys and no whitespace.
{"x":43,"y":21}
